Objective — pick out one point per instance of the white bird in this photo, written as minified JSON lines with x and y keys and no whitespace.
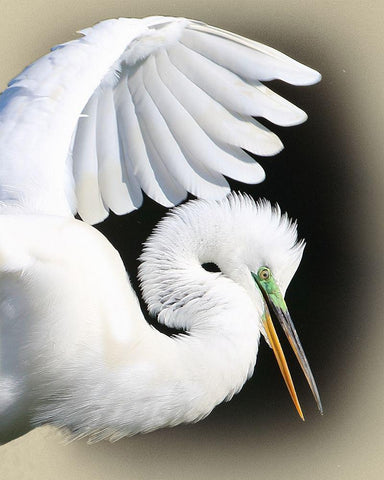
{"x":164,"y":106}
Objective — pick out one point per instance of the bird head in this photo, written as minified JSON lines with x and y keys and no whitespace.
{"x":264,"y":260}
{"x":257,"y":251}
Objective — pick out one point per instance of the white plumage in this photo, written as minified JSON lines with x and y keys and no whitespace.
{"x":159,"y":105}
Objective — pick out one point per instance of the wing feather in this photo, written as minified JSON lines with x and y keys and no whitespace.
{"x":249,"y":59}
{"x":150,"y":172}
{"x":234,"y":93}
{"x":161,"y":105}
{"x":199,"y":181}
{"x":114,"y":190}
{"x":194,"y":138}
{"x":129,"y":177}
{"x":85,"y":167}
{"x":214,"y":119}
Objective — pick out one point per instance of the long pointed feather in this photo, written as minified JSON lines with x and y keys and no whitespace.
{"x":152,"y":176}
{"x":216,"y":121}
{"x":203,"y":182}
{"x":90,"y":205}
{"x":246,"y":57}
{"x":194,"y":140}
{"x":232,"y":92}
{"x":129,"y":177}
{"x":113,"y":190}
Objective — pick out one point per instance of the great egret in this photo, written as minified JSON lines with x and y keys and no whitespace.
{"x":162,"y":105}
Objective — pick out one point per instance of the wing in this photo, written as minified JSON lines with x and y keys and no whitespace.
{"x":159,"y":105}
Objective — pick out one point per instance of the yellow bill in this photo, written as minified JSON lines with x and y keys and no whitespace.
{"x":275,"y":304}
{"x":280,"y":357}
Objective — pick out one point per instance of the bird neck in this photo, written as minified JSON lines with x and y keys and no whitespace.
{"x":182,"y":378}
{"x":163,"y":381}
{"x":211,"y":361}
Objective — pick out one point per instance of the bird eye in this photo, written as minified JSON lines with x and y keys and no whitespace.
{"x":211,"y":267}
{"x":264,"y":273}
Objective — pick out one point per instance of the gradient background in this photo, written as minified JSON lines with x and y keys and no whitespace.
{"x":330,"y":177}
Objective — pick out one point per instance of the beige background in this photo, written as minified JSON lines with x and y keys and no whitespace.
{"x":344,"y":40}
